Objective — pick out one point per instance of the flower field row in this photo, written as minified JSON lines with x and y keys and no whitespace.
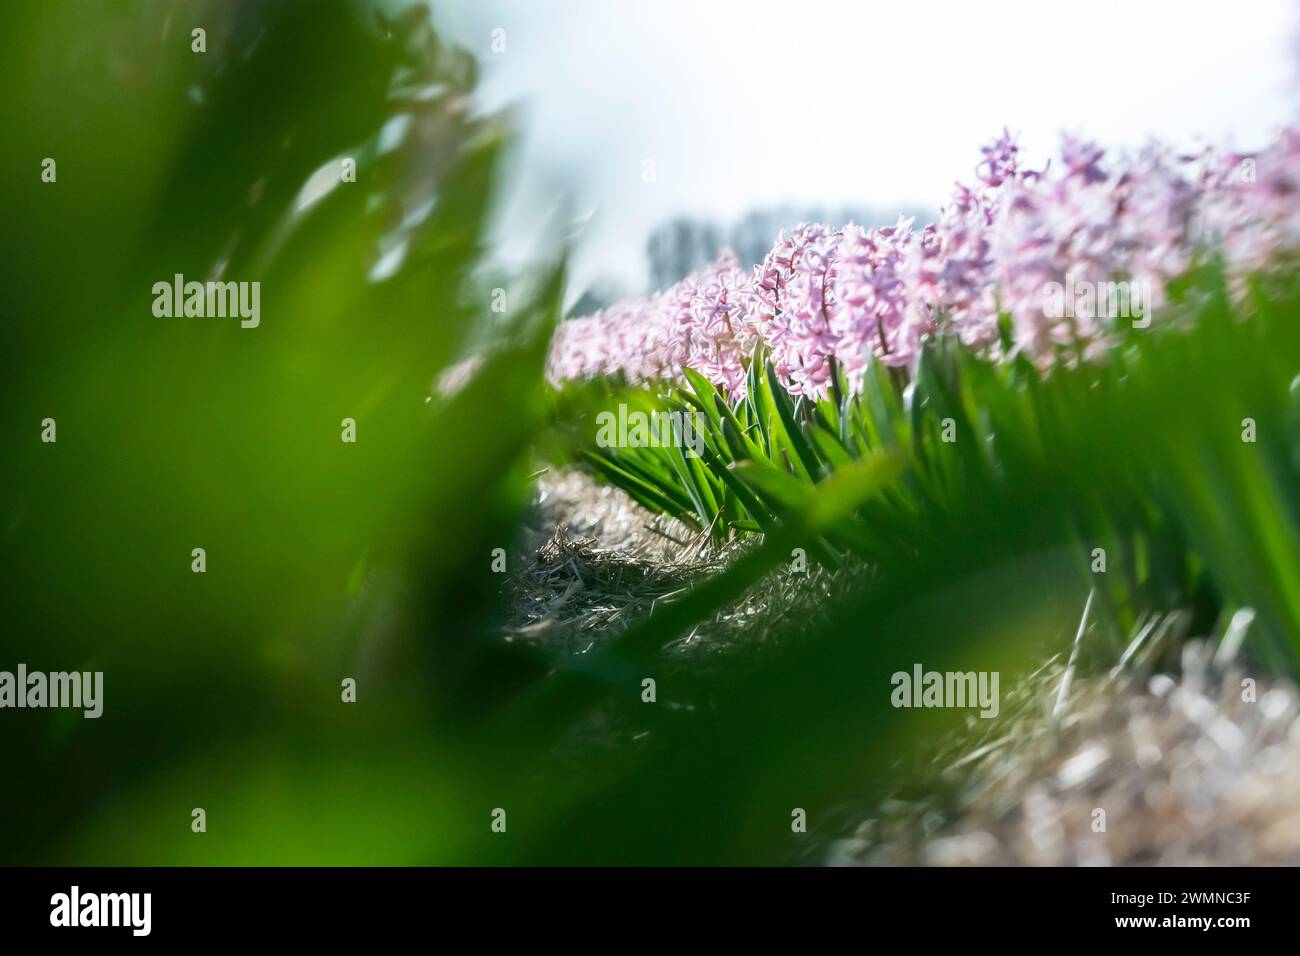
{"x":881,"y":393}
{"x":827,"y":298}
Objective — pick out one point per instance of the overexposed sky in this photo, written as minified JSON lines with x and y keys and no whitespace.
{"x":756,"y":103}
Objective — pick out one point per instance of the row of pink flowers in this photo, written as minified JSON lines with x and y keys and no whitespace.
{"x":825,"y":297}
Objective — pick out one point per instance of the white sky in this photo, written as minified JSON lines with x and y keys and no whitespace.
{"x":755,"y":103}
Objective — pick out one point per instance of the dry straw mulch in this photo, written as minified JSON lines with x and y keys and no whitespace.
{"x":1128,"y":769}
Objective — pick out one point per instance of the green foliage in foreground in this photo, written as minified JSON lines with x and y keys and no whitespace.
{"x":1178,"y":456}
{"x":327,"y":560}
{"x":324,"y":560}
